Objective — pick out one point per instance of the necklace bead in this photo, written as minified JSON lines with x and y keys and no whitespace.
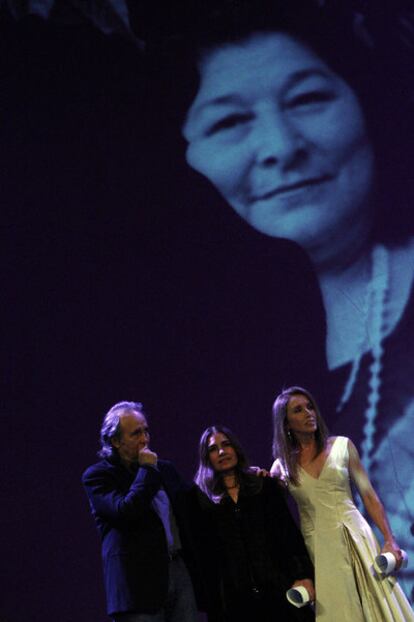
{"x":372,"y":336}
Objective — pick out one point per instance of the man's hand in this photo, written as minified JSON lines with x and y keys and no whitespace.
{"x":146,"y":456}
{"x":307,"y":584}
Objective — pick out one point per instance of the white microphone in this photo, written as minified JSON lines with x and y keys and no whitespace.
{"x":298,"y":596}
{"x":385,"y":563}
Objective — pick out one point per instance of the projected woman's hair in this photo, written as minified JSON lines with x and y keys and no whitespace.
{"x":303,"y":122}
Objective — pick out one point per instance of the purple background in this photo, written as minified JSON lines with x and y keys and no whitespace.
{"x":121,"y":278}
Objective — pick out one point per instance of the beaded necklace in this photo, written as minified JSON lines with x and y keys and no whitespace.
{"x":371,"y":339}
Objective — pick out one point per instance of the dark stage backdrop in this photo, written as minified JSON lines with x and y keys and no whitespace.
{"x":124,"y":275}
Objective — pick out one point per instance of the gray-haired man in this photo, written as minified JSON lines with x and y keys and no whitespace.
{"x":136,"y":500}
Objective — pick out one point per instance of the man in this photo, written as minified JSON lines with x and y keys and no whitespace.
{"x":135,"y":499}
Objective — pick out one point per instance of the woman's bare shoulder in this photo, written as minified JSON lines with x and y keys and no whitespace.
{"x":330,"y":441}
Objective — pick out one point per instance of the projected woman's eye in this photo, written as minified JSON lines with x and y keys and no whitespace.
{"x":227,"y":123}
{"x":310,"y":98}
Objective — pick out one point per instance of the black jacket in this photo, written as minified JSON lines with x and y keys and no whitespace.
{"x":252,"y":544}
{"x":134,"y":547}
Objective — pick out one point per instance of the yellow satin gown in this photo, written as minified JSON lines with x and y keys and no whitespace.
{"x":343,"y":547}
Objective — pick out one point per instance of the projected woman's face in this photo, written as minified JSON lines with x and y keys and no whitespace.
{"x":283,"y":139}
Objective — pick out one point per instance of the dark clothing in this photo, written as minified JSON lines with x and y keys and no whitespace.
{"x":134,"y":545}
{"x":180,"y":605}
{"x":252,"y":552}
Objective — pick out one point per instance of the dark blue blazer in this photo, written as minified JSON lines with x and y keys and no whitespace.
{"x":134,"y":547}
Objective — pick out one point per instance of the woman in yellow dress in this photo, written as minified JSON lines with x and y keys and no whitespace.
{"x":318,"y":470}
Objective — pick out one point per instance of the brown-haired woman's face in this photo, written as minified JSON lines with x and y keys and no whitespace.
{"x":284,"y":140}
{"x":221,"y":453}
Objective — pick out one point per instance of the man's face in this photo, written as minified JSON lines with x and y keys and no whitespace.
{"x":134,"y":436}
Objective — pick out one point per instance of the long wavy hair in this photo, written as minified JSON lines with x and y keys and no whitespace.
{"x":285,"y":446}
{"x":210,"y":482}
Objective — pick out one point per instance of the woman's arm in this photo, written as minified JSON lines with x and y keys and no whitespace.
{"x":372,"y":503}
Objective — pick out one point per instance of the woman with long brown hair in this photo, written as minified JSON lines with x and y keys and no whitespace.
{"x":251,"y":549}
{"x":317,"y":469}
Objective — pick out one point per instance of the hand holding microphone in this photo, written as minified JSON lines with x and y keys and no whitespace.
{"x":301,"y":593}
{"x":387,"y":562}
